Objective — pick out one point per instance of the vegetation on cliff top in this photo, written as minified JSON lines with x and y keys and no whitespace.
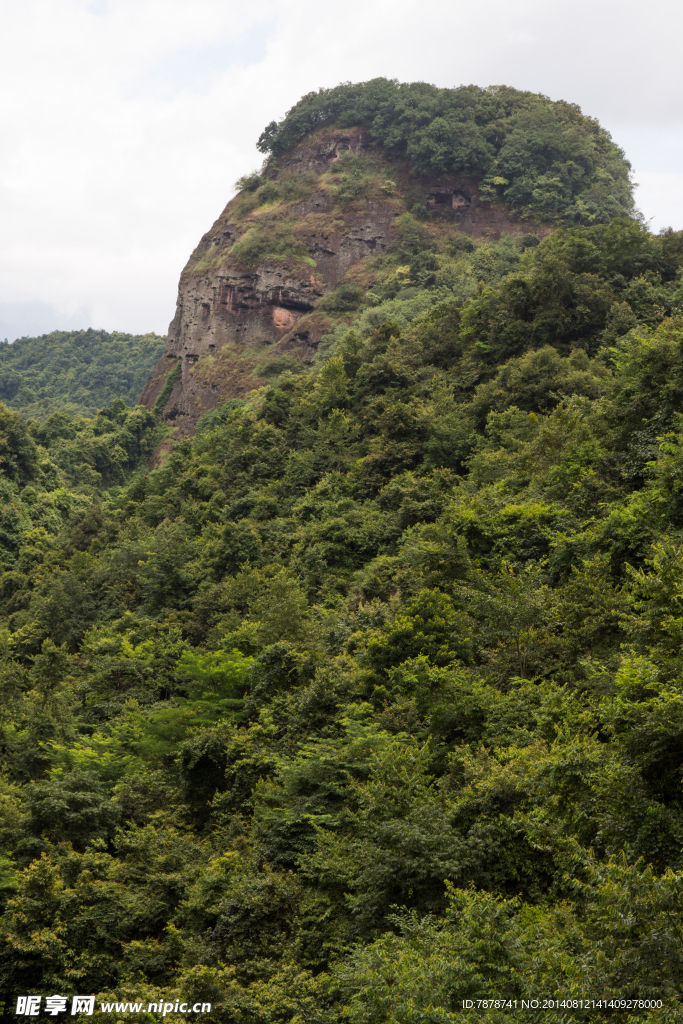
{"x":547,"y":160}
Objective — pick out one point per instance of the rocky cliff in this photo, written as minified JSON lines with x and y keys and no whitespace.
{"x":320,"y":216}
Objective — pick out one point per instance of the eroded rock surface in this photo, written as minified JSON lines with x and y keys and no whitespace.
{"x":228,"y":314}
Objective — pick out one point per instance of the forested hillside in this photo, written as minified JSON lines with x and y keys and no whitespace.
{"x":77,"y":372}
{"x":368,"y":700}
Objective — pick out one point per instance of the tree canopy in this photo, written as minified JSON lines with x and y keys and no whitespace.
{"x":545,"y":158}
{"x":365,"y":704}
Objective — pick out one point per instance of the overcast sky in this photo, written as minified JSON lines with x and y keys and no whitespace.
{"x":124,"y":123}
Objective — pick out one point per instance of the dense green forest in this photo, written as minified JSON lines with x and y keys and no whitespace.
{"x":77,"y":372}
{"x":544,"y":159}
{"x":368,"y":700}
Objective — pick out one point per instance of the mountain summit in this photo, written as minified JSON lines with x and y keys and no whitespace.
{"x":358,"y":180}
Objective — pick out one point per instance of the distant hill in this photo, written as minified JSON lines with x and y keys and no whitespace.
{"x":75,"y":371}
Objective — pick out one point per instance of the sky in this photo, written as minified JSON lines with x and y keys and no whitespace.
{"x":125,"y":123}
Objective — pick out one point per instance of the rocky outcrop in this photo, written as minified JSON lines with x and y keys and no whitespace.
{"x":233,"y":320}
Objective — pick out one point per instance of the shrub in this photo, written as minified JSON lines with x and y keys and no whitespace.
{"x":270,"y":240}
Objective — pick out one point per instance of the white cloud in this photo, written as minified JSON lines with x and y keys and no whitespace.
{"x":660,"y":197}
{"x":125,"y":122}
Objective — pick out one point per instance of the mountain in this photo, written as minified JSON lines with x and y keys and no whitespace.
{"x":360,"y":179}
{"x":343,"y":683}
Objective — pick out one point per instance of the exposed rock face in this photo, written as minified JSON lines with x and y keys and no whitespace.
{"x":229,"y":314}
